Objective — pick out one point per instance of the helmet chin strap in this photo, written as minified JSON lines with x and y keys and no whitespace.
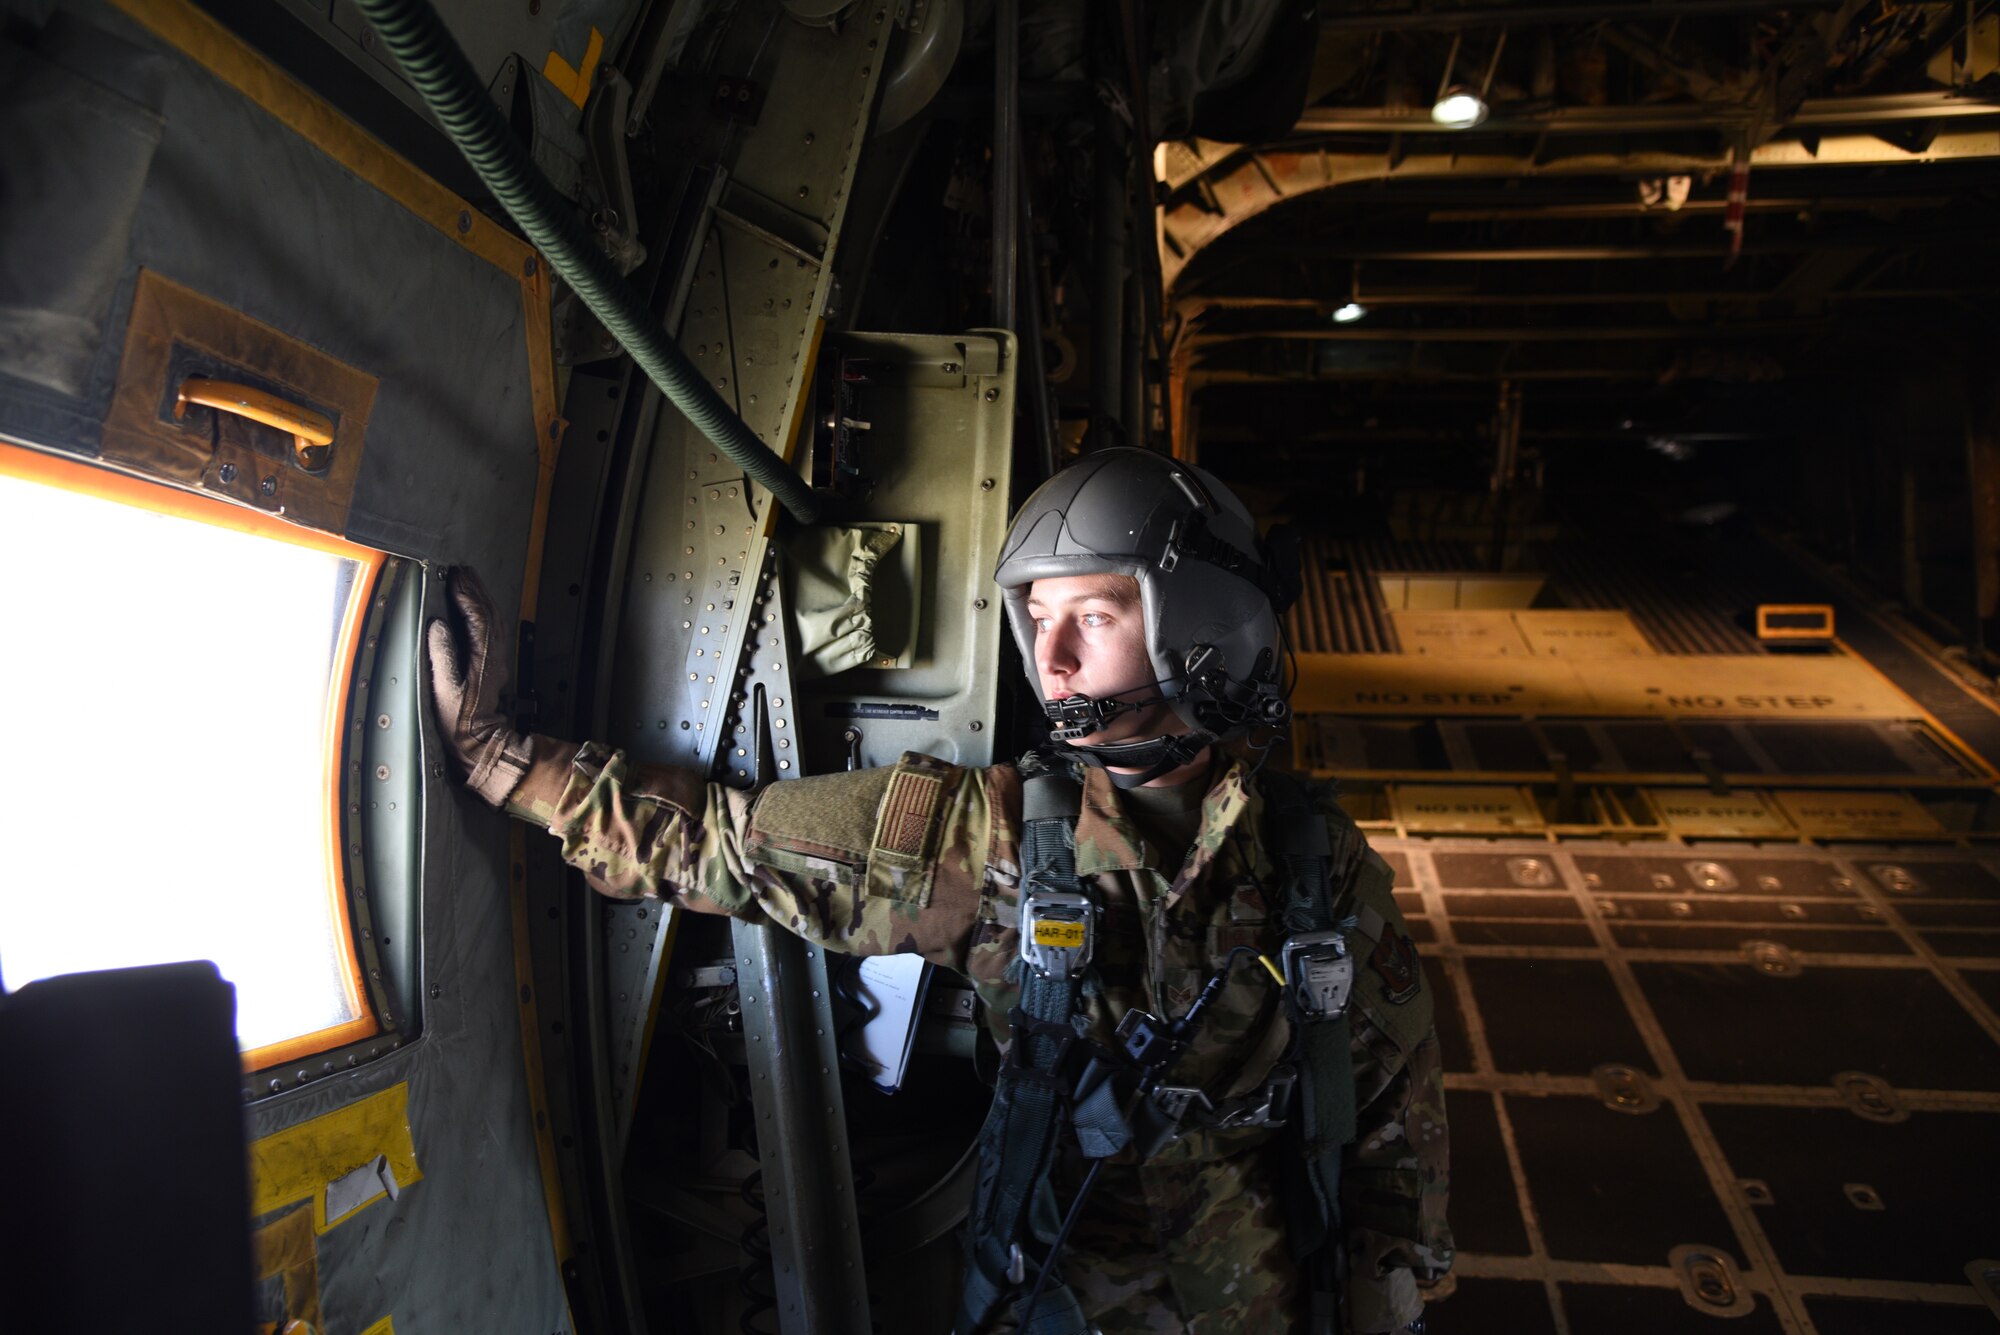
{"x":1224,"y":705}
{"x":1147,"y":760}
{"x":1078,"y":716}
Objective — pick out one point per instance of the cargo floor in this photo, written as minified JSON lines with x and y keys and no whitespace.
{"x":1776,"y":1104}
{"x":1687,"y":594}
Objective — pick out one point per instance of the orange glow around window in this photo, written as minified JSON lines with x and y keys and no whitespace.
{"x":88,"y":480}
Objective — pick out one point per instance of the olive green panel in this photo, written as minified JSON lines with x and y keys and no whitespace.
{"x":935,"y":455}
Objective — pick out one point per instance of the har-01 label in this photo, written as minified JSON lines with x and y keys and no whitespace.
{"x":1059,"y":935}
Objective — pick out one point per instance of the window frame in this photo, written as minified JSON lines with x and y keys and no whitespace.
{"x":374,"y":574}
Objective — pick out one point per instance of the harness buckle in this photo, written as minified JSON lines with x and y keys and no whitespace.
{"x":1319,"y":973}
{"x":1273,"y":1106}
{"x":1276,"y":1108}
{"x":1057,"y":1073}
{"x":1058,"y":931}
{"x":1175,"y":1100}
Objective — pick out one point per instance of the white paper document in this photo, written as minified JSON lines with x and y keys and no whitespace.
{"x":894,"y":985}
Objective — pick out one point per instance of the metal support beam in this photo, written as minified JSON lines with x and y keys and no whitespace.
{"x":1506,"y":465}
{"x":1694,"y":116}
{"x":1133,"y":373}
{"x":1633,"y":208}
{"x":1502,"y":16}
{"x":1696,"y":331}
{"x":788,"y":1026}
{"x":1236,"y":192}
{"x":1445,"y":297}
{"x":1006,"y":155}
{"x":1107,"y":316}
{"x":1035,"y":397}
{"x":1851,"y":239}
{"x":1639,"y":374}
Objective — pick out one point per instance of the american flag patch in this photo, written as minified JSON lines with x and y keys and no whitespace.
{"x":903,"y":827}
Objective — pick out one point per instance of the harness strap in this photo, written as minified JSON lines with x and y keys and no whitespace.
{"x":1014,"y":1214}
{"x":1323,"y":1053}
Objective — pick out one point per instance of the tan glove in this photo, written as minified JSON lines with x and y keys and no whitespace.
{"x":465,"y":693}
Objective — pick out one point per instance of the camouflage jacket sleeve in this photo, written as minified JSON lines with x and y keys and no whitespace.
{"x":872,"y":862}
{"x":1395,"y":1177}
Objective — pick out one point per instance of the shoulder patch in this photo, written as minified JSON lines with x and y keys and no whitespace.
{"x":1394,"y":960}
{"x":904,"y":821}
{"x":1389,"y":974}
{"x":909,"y":822}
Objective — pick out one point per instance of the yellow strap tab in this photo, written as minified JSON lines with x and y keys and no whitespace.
{"x":1271,"y":968}
{"x":574,"y":84}
{"x":286,"y":1247}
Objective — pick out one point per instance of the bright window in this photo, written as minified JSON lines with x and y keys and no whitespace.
{"x":172,"y":673}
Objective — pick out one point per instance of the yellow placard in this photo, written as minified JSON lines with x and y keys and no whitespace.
{"x":1464,"y":808}
{"x":1444,"y":591}
{"x":1700,"y":814}
{"x":1061,"y":935}
{"x":298,"y":1162}
{"x":382,"y":1327}
{"x":1852,"y":815}
{"x":1660,"y":686}
{"x":1563,"y":633}
{"x":1459,"y":634}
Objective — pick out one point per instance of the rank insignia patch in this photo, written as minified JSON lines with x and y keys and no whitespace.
{"x":1395,"y":962}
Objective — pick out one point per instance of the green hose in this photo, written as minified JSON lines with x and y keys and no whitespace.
{"x":433,"y":62}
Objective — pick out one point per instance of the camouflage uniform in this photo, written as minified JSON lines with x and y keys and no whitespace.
{"x":924,"y":857}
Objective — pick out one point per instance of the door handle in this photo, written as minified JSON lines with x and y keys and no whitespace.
{"x":312,"y":433}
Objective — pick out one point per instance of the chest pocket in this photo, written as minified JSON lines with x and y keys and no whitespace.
{"x":1244,"y":920}
{"x":1244,"y":1031}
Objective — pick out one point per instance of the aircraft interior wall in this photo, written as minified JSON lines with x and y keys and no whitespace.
{"x":266,"y":254}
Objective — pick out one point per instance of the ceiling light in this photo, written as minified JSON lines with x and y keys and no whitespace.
{"x":1349,"y":313}
{"x":1459,"y":108}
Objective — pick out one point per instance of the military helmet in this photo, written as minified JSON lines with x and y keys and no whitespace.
{"x":1211,"y":592}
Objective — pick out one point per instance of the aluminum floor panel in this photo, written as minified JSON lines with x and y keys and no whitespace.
{"x":1845,"y":1206}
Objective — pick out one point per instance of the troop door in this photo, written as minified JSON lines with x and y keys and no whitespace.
{"x":261,"y":381}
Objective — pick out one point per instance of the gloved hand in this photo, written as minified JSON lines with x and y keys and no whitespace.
{"x":465,"y":693}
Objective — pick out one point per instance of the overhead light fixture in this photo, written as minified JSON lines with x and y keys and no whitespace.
{"x":1349,"y":313}
{"x":1458,"y":108}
